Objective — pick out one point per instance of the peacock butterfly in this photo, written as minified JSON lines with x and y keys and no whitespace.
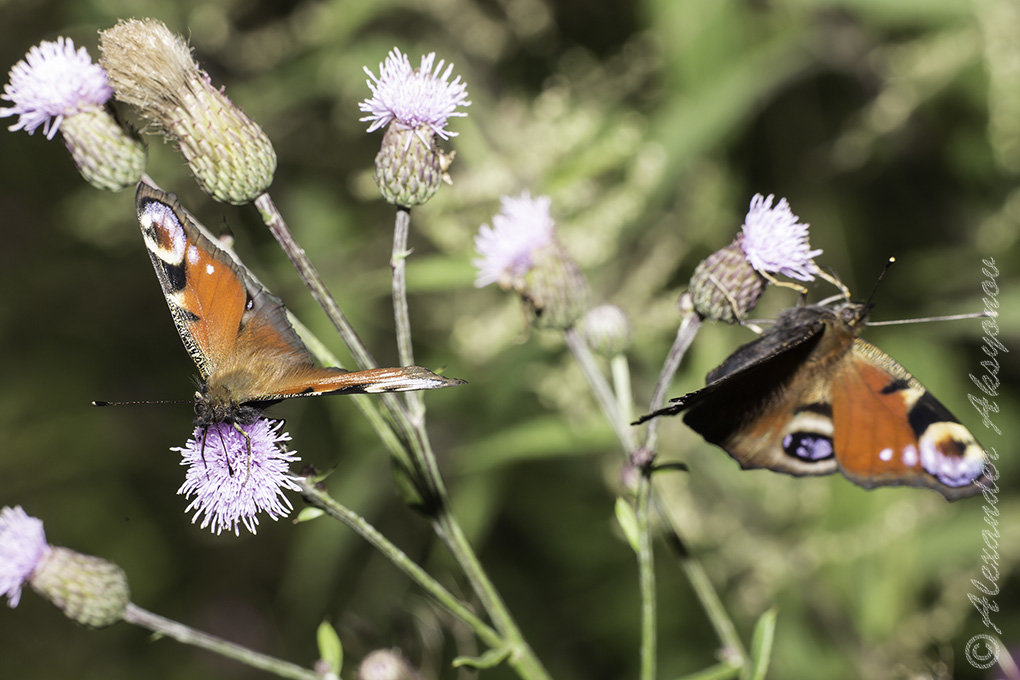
{"x":248,"y":354}
{"x":809,"y":397}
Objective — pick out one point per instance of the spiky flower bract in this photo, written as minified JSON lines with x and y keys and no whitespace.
{"x":57,"y":87}
{"x":228,"y":487}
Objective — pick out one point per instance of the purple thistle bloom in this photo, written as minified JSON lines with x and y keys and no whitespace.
{"x":414,"y":98}
{"x":522,"y":226}
{"x":54,"y":81}
{"x":228,"y":487}
{"x":775,"y":241}
{"x":22,"y":547}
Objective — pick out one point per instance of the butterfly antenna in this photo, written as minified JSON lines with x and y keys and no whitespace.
{"x":881,"y":275}
{"x":145,"y":402}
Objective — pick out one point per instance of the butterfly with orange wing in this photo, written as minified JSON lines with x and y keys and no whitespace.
{"x":248,"y":354}
{"x":809,"y":397}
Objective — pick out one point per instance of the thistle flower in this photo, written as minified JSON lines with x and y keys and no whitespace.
{"x":728,"y":283}
{"x":57,"y":87}
{"x":87,"y":589}
{"x":229,"y":486}
{"x":520,"y":252}
{"x":22,"y":547}
{"x":775,"y":241}
{"x":151,"y":68}
{"x":414,"y":106}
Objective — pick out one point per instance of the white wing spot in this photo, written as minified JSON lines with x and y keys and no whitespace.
{"x":910,"y":455}
{"x":193,"y":255}
{"x":209,"y":269}
{"x":885,"y":455}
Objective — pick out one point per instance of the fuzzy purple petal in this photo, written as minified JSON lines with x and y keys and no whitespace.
{"x":774,"y":240}
{"x":522,"y":226}
{"x":53,"y":81}
{"x":227,"y":488}
{"x":22,"y":546}
{"x":422,"y":97}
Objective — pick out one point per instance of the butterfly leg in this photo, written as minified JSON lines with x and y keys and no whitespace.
{"x":247,"y":441}
{"x":226,"y":451}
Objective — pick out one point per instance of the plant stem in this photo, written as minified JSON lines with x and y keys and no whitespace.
{"x":521,"y":657}
{"x":401,"y":317}
{"x":320,"y":499}
{"x":646,"y":580}
{"x":599,"y":386}
{"x":689,"y":326}
{"x":310,"y":275}
{"x":190,"y":636}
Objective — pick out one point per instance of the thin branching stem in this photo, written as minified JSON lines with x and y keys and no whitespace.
{"x":189,"y":636}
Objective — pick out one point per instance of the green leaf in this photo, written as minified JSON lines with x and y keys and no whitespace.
{"x":761,"y":645}
{"x":308,"y":514}
{"x":627,"y":518}
{"x":490,"y":659}
{"x":330,"y":649}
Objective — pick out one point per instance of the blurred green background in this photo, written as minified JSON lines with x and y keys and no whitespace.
{"x":892,"y":126}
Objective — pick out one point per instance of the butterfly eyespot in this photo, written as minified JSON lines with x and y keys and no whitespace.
{"x":808,"y":446}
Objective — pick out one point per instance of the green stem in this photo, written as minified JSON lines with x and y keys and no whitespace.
{"x":310,"y":275}
{"x":599,"y":386}
{"x":646,"y":579}
{"x":190,"y":636}
{"x":320,"y":499}
{"x":709,"y":599}
{"x":401,"y":317}
{"x":520,"y":655}
{"x":689,"y":326}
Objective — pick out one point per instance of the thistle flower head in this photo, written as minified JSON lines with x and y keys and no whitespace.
{"x":775,"y":241}
{"x":22,"y":546}
{"x":54,"y":81}
{"x":152,"y":69}
{"x":520,"y":252}
{"x":414,"y":98}
{"x":522,"y":227}
{"x":228,"y":488}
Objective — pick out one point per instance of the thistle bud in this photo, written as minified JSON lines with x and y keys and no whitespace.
{"x":87,"y":589}
{"x":725,"y":286}
{"x":606,"y":330}
{"x":151,"y":68}
{"x":554,"y":291}
{"x":409,"y":166}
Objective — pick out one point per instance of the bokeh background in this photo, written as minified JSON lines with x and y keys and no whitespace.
{"x":892,"y":126}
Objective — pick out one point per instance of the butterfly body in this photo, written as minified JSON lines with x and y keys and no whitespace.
{"x":809,"y":397}
{"x":247,"y":353}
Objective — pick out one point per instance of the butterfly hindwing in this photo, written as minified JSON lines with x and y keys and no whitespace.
{"x":891,"y":431}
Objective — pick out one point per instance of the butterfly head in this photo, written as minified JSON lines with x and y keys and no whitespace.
{"x":214,"y":404}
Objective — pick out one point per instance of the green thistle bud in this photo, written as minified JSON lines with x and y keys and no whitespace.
{"x":151,"y":68}
{"x":87,"y":589}
{"x":410,"y":166}
{"x":554,"y":291}
{"x":107,"y":155}
{"x":606,"y":330}
{"x":725,"y":286}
